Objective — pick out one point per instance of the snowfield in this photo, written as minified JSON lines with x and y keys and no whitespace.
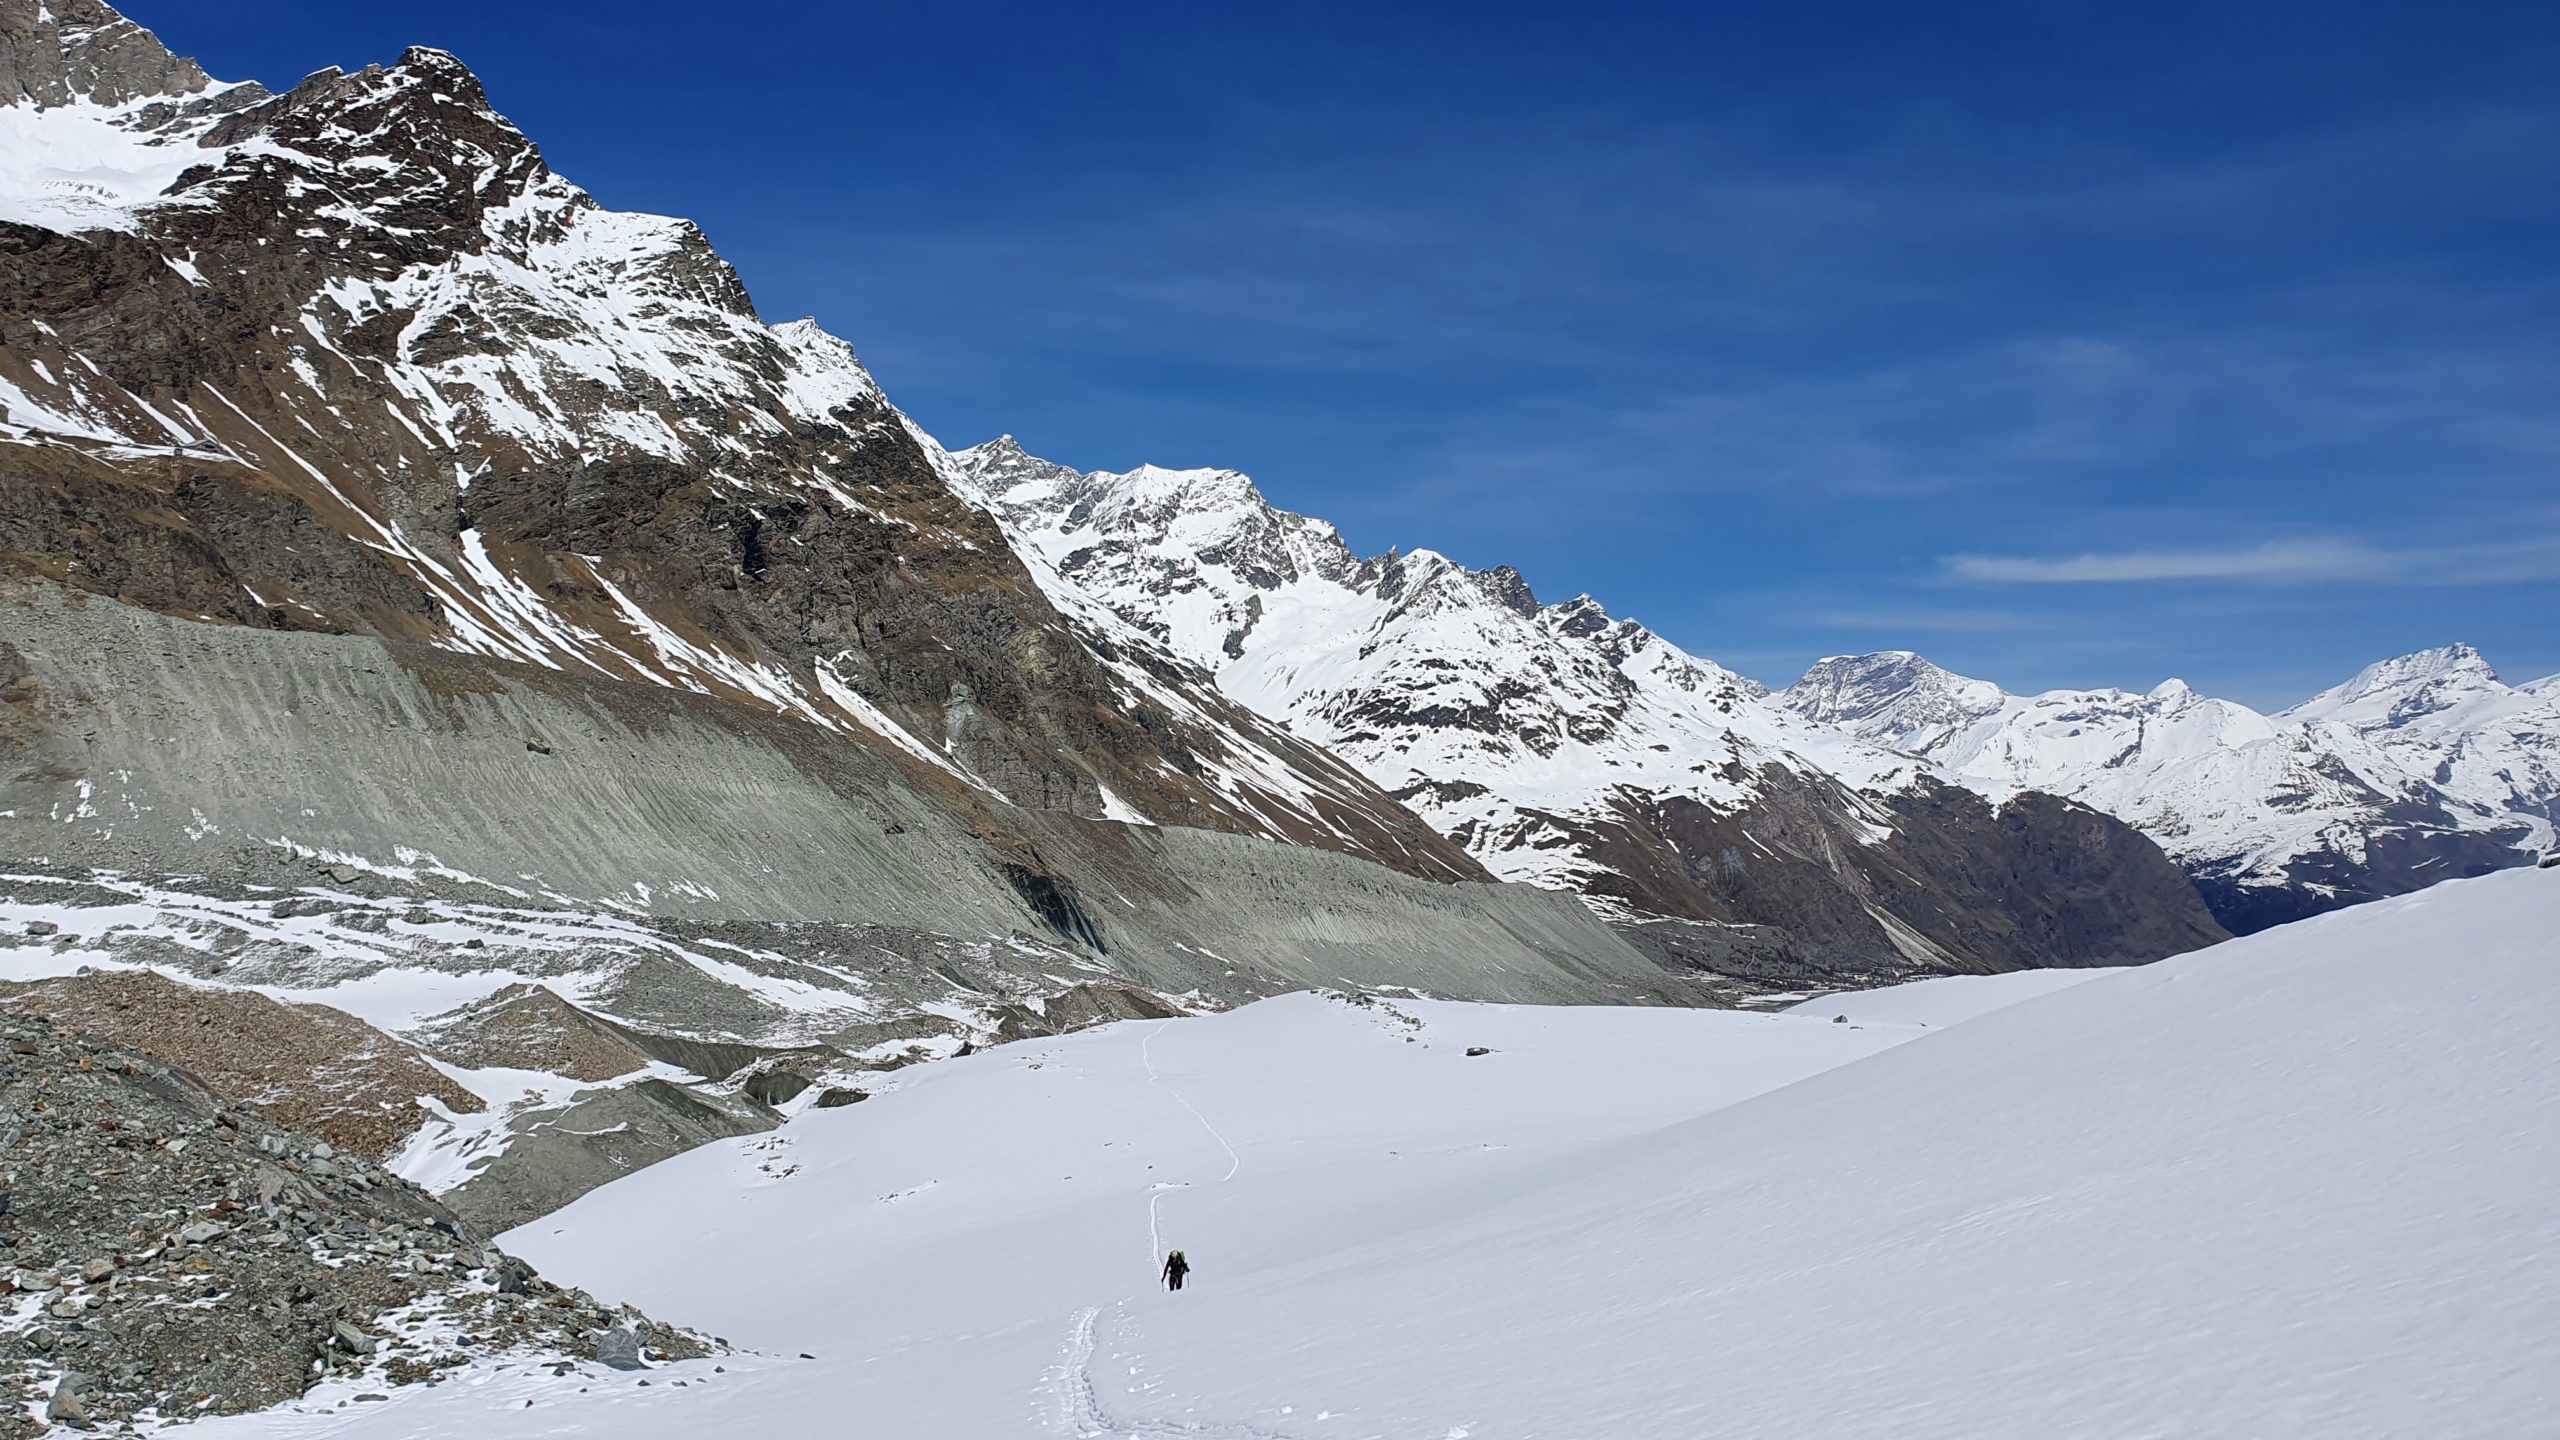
{"x":2301,"y":1183}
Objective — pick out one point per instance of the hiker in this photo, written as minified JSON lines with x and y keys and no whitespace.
{"x":1175,"y":1267}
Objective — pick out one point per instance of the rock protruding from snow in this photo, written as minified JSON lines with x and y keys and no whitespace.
{"x":185,"y":1254}
{"x":73,"y":52}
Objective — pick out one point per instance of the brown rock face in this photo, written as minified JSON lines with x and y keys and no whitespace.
{"x":307,"y":1067}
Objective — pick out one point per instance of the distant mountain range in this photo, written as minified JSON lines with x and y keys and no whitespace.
{"x":2421,"y":768}
{"x":371,"y":496}
{"x":1562,"y":746}
{"x":429,"y":593}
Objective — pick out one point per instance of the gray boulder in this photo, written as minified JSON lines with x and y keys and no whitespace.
{"x":620,"y":1349}
{"x":67,"y":1407}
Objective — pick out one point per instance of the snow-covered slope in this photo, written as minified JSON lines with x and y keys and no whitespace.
{"x":2287,"y":1185}
{"x":2419,"y":769}
{"x":1558,"y":744}
{"x":2491,"y":749}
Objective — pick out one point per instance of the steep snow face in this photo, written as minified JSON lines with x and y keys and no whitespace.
{"x":1510,"y":725}
{"x":2427,"y":744}
{"x":2275,"y":1187}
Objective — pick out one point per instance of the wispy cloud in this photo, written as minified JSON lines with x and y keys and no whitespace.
{"x":2279,"y":562}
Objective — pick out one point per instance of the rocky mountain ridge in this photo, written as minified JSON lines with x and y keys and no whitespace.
{"x":351,"y":358}
{"x":1569,"y":748}
{"x":2422,"y":768}
{"x":427,"y":593}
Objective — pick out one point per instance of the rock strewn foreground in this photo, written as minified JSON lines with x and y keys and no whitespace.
{"x":165,"y":1253}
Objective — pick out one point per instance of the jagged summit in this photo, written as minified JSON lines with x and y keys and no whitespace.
{"x":1557,"y":743}
{"x":68,"y":52}
{"x":2420,"y":767}
{"x":425,"y":388}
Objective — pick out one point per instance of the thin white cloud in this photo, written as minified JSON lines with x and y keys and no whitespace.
{"x":2274,"y":560}
{"x":2278,"y":562}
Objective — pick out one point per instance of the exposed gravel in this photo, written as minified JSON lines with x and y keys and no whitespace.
{"x":164,"y":1253}
{"x":308,"y":1067}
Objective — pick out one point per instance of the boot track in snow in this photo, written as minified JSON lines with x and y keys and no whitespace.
{"x":1078,"y":1403}
{"x":1080,"y":1411}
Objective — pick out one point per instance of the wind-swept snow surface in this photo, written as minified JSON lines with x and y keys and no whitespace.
{"x":2297,"y":1184}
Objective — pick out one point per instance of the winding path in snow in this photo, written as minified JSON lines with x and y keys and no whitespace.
{"x":1079,"y":1403}
{"x":1235,"y":1162}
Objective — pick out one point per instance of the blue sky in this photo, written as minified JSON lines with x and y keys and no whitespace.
{"x":2066,"y":343}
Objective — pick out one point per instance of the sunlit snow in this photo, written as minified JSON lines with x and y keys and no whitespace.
{"x":2295,"y":1184}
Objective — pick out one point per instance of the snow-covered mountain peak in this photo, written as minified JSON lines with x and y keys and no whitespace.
{"x":1891,"y":697}
{"x":2407,"y":686}
{"x":1528,"y":732}
{"x":2425,"y":758}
